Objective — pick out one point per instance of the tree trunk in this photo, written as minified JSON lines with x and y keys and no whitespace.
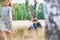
{"x":52,"y":17}
{"x":27,"y":8}
{"x":35,"y":3}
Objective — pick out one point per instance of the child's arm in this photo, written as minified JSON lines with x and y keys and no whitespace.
{"x":10,"y":14}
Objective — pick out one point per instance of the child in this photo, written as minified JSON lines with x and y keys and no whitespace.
{"x":2,"y":28}
{"x":7,"y":18}
{"x":30,"y":26}
{"x":35,"y":23}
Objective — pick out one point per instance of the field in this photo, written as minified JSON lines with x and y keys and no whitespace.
{"x":21,"y":32}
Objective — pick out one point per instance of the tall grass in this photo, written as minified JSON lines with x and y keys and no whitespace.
{"x":22,"y":33}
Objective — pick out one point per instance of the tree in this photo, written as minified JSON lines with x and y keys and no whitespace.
{"x":40,"y":12}
{"x":27,"y":8}
{"x":35,"y":3}
{"x":31,"y":8}
{"x":19,"y":12}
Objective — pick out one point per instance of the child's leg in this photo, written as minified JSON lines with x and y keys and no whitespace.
{"x":10,"y":35}
{"x":39,"y":24}
{"x":4,"y":35}
{"x":31,"y":28}
{"x":34,"y":24}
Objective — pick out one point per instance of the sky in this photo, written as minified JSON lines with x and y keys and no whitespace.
{"x":23,"y":1}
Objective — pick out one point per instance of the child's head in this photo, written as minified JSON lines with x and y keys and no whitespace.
{"x":35,"y":18}
{"x":6,"y":3}
{"x":32,"y":19}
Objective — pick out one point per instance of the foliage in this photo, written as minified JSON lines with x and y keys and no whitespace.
{"x":1,"y":1}
{"x":19,"y":12}
{"x":40,"y":12}
{"x":31,"y":8}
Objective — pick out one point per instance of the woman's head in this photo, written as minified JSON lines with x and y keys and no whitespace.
{"x":6,"y":3}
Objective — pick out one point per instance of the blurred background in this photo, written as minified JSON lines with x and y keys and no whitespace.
{"x":22,"y":11}
{"x":19,"y":10}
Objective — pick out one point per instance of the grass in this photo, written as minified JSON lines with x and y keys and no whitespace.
{"x":22,"y":33}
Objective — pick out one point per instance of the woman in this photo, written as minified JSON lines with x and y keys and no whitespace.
{"x":7,"y":18}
